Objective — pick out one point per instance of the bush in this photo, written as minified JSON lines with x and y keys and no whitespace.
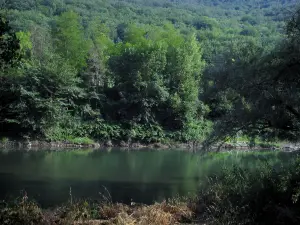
{"x":21,"y":212}
{"x":103,"y":130}
{"x":240,"y":196}
{"x":82,"y":140}
{"x":147,"y":133}
{"x":4,"y":140}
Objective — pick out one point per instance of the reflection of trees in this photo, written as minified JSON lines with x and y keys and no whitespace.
{"x":154,"y":173}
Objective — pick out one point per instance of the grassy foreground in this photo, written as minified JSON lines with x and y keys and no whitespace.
{"x":28,"y":212}
{"x":265,"y":195}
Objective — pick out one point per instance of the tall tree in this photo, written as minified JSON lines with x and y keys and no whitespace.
{"x":70,"y":40}
{"x":264,"y":93}
{"x":138,"y":64}
{"x":9,"y":44}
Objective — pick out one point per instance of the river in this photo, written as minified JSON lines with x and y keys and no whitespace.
{"x":51,"y":177}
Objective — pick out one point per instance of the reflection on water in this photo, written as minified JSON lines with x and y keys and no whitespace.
{"x":144,"y":176}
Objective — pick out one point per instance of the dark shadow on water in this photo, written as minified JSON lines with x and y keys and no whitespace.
{"x":52,"y":193}
{"x":139,"y":176}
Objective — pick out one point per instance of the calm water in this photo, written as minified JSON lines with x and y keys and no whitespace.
{"x":141,"y":176}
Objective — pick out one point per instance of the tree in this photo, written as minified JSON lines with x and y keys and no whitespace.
{"x":157,"y":78}
{"x":95,"y":75}
{"x":41,"y":100}
{"x":265,"y":92}
{"x":9,"y":44}
{"x":138,"y":64}
{"x":25,"y":43}
{"x":70,"y":40}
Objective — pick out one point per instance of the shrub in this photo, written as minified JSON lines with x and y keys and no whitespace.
{"x":21,"y":212}
{"x":82,"y":140}
{"x":241,"y":196}
{"x":4,"y":140}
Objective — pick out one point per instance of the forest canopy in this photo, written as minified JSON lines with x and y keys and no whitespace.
{"x":149,"y":71}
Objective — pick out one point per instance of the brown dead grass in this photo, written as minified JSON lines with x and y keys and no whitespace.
{"x":82,"y":213}
{"x":156,"y":214}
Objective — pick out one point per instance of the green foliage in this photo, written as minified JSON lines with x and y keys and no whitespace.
{"x":70,"y":41}
{"x":249,"y":19}
{"x":240,"y":196}
{"x":205,"y":22}
{"x":9,"y":44}
{"x":196,"y":131}
{"x":147,"y":133}
{"x":138,"y":67}
{"x":25,"y":43}
{"x":40,"y":99}
{"x":153,"y":72}
{"x":249,"y":31}
{"x":262,"y":90}
{"x":101,"y":130}
{"x":82,"y":140}
{"x":4,"y":140}
{"x":102,"y":69}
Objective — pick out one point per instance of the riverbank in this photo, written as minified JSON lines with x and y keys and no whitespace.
{"x":35,"y":145}
{"x":88,"y":143}
{"x":84,"y":143}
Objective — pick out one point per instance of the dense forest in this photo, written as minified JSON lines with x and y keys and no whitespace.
{"x":149,"y":71}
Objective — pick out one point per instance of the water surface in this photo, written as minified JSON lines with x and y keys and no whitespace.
{"x":140,"y":176}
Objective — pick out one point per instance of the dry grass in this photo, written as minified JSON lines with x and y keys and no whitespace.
{"x":156,"y":214}
{"x":83,"y":213}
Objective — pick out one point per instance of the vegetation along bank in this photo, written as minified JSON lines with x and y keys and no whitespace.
{"x":149,"y":72}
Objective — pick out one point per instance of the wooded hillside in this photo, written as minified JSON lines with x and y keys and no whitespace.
{"x":133,"y":70}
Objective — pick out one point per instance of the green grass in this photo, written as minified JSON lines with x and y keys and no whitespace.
{"x":256,"y":142}
{"x":81,"y":140}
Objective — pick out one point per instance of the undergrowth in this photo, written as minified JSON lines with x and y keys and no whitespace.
{"x":240,"y":196}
